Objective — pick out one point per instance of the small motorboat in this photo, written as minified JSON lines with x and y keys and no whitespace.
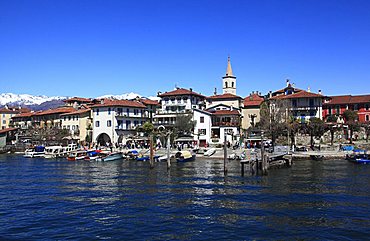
{"x":184,"y":156}
{"x":110,"y":157}
{"x":132,"y":155}
{"x":37,"y":151}
{"x":92,"y":155}
{"x":142,"y":158}
{"x":359,"y":156}
{"x":76,"y":155}
{"x":210,"y":152}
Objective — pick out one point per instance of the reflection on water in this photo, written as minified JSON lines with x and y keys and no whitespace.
{"x":57,"y":199}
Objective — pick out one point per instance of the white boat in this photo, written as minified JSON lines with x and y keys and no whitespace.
{"x":53,"y":152}
{"x":110,"y":157}
{"x":210,"y":152}
{"x":37,"y":151}
{"x":59,"y":151}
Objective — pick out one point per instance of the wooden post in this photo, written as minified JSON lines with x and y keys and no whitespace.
{"x":151,"y":161}
{"x":168,"y":151}
{"x":225,"y":155}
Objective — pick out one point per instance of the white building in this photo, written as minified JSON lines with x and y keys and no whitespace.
{"x":177,"y":102}
{"x":114,"y":121}
{"x":202,"y":130}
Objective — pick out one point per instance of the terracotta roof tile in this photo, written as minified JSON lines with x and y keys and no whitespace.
{"x":77,"y":112}
{"x":148,"y":101}
{"x":27,"y":114}
{"x":180,"y":91}
{"x":253,"y":100}
{"x":110,"y":102}
{"x":348,"y":99}
{"x":60,"y":110}
{"x":300,"y":94}
{"x":224,"y":96}
{"x":7,"y":130}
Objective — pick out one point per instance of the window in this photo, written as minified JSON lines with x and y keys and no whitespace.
{"x":109,"y":111}
{"x":294,"y":103}
{"x":65,"y":118}
{"x":136,"y":111}
{"x":355,"y":107}
{"x":68,"y":127}
{"x":337,"y":109}
{"x":225,"y":84}
{"x":232,"y":84}
{"x":69,"y":117}
{"x":202,"y":131}
{"x":366,"y":106}
{"x":128,"y":112}
{"x":97,"y":111}
{"x":109,"y":123}
{"x":97,"y":123}
{"x":329,"y":111}
{"x":201,"y":119}
{"x":73,"y":118}
{"x":136,"y":123}
{"x":76,"y":127}
{"x":312,"y":113}
{"x":4,"y":121}
{"x":367,"y":118}
{"x":73,"y":127}
{"x":311,"y":102}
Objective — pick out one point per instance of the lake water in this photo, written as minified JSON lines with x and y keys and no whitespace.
{"x":125,"y":200}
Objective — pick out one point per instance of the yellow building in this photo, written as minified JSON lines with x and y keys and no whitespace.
{"x":78,"y":122}
{"x":7,"y":113}
{"x":251,"y":110}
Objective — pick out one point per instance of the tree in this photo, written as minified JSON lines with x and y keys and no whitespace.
{"x":147,"y":128}
{"x":88,"y":138}
{"x":274,"y":118}
{"x":316,"y":128}
{"x":351,"y":118}
{"x":184,"y":125}
{"x":332,"y":126}
{"x":366,"y":126}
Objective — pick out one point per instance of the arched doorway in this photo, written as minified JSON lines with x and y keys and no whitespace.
{"x":103,"y":139}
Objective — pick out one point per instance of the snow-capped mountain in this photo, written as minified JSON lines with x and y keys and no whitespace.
{"x":26,"y":99}
{"x":127,"y":96}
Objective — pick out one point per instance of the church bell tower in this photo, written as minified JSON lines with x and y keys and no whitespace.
{"x":229,"y":80}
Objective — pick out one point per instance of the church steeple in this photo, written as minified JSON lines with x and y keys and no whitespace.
{"x":229,"y":70}
{"x":229,"y":80}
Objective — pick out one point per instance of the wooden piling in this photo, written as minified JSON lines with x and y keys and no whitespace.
{"x":151,"y":159}
{"x":168,"y":152}
{"x":225,"y":155}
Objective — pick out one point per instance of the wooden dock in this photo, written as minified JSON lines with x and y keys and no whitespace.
{"x":259,"y":165}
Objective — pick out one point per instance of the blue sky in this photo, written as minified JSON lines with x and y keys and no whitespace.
{"x":91,"y":48}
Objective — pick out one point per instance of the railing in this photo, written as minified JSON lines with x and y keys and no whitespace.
{"x":226,"y":123}
{"x":173,"y":112}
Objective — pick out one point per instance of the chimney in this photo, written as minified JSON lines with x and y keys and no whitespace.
{"x":270,"y":94}
{"x":320,"y":93}
{"x":191,"y":90}
{"x":308,"y":89}
{"x":215,"y":93}
{"x":287,"y":82}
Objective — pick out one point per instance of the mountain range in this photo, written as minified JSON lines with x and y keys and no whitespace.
{"x":43,"y":102}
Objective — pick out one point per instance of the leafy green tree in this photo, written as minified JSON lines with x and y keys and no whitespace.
{"x":351,"y":119}
{"x":148,"y":128}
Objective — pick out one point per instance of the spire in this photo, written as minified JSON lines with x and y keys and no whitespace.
{"x":229,"y":71}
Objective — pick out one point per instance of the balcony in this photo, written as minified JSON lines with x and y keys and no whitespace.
{"x":235,"y":124}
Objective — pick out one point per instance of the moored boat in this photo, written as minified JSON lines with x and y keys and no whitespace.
{"x":359,"y":156}
{"x":77,"y":155}
{"x":210,"y":152}
{"x":37,"y":151}
{"x":110,"y":157}
{"x":184,"y":156}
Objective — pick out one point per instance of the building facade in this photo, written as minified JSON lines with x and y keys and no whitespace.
{"x":337,"y":105}
{"x":115,"y":121}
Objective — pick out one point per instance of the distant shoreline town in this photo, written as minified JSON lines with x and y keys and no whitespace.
{"x":290,"y":115}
